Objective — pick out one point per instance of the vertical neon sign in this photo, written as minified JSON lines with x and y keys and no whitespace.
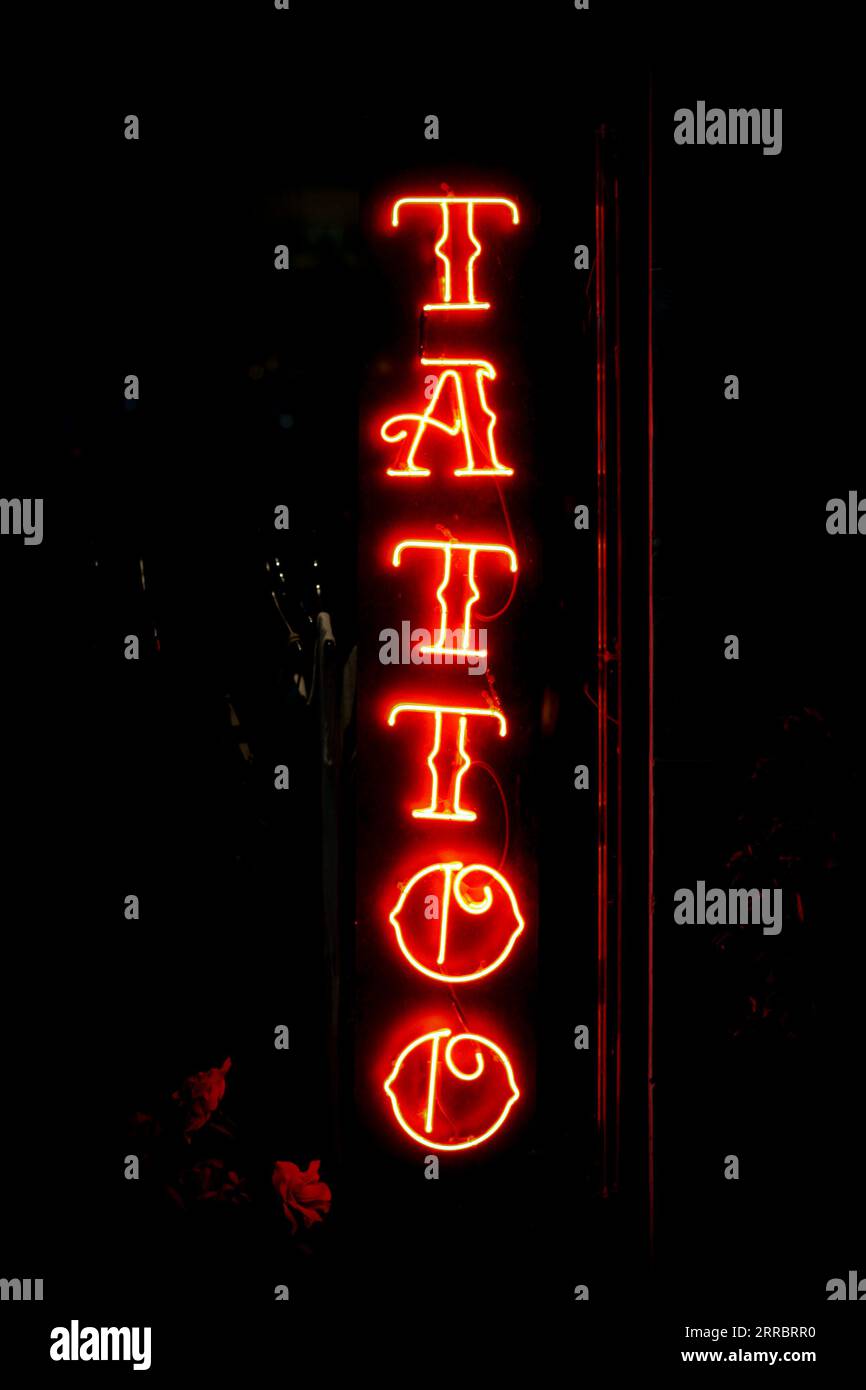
{"x":452,"y":921}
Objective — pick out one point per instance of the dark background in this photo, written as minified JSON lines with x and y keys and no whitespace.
{"x":156,"y":258}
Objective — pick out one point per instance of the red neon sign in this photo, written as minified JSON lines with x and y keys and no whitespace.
{"x":450,"y":211}
{"x":466,"y":581}
{"x":458,"y":372}
{"x":454,"y":923}
{"x":445,"y":805}
{"x":424,"y":921}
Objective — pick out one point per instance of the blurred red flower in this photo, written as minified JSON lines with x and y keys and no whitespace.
{"x":302,"y":1191}
{"x":208,"y":1180}
{"x":200,"y":1094}
{"x":212,"y":1179}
